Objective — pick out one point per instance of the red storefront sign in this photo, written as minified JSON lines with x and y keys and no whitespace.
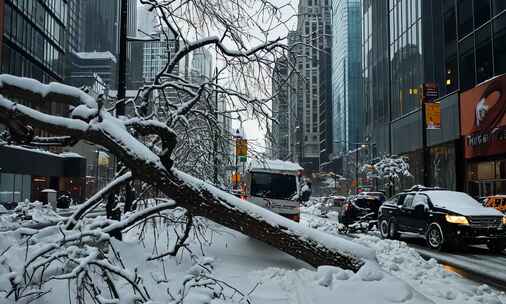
{"x":483,"y":118}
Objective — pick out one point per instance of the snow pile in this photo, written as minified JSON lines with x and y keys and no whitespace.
{"x":37,"y":212}
{"x":27,"y":213}
{"x":428,"y":277}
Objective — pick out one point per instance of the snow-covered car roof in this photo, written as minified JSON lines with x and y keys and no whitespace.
{"x":459,"y":202}
{"x":269,"y":165}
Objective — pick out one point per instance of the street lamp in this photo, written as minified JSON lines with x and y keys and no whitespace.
{"x":360,"y":146}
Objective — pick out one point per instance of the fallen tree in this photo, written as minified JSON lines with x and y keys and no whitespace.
{"x":159,"y":136}
{"x":198,"y":197}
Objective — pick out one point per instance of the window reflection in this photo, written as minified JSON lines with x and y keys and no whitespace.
{"x":465,"y":17}
{"x":467,"y":65}
{"x":500,"y":44}
{"x":481,"y":12}
{"x":483,"y":54}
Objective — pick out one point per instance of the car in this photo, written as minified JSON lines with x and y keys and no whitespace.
{"x":379,"y":195}
{"x":496,"y":201}
{"x":446,"y":219}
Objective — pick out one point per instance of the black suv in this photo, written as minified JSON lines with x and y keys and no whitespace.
{"x":446,"y":219}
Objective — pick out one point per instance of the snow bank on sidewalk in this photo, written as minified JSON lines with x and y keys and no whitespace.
{"x":428,"y":277}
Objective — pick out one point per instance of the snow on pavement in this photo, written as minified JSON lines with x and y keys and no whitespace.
{"x":427,"y":277}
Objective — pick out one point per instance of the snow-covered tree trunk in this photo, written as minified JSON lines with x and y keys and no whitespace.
{"x":196,"y":196}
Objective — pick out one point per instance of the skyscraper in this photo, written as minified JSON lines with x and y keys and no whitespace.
{"x":347,"y":112}
{"x":280,"y":110}
{"x":314,"y":33}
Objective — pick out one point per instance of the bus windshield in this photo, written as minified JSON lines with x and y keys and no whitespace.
{"x":272,"y":185}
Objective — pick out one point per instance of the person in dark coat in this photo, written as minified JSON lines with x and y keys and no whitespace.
{"x":129,"y":197}
{"x":113,"y":212}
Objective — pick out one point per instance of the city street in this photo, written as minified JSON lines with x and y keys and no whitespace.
{"x":474,"y":263}
{"x":252,"y":152}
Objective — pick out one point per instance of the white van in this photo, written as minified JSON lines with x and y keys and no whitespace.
{"x":275,"y":185}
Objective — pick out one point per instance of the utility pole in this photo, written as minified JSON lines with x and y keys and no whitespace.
{"x":120,"y":107}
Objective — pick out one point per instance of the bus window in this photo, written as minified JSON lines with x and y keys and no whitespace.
{"x":275,"y":186}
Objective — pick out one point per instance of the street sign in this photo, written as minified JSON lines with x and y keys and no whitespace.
{"x":430,"y":92}
{"x":432,"y":116}
{"x":241,"y":148}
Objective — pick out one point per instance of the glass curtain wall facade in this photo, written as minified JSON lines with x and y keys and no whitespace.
{"x":405,"y":55}
{"x":376,"y":75}
{"x":34,"y":39}
{"x":469,"y":42}
{"x":347,"y":109}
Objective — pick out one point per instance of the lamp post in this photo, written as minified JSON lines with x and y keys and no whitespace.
{"x":359,"y":146}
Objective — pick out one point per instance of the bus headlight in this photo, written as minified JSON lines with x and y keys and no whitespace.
{"x":504,"y":220}
{"x":456,"y":219}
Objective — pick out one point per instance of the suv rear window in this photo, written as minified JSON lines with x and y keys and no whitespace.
{"x":408,"y":201}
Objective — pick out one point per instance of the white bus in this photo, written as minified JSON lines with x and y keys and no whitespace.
{"x":276,"y":185}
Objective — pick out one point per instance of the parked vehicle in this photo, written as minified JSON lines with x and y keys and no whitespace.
{"x":379,"y":195}
{"x":446,"y":219}
{"x":276,"y":185}
{"x":496,"y":201}
{"x":333,"y":204}
{"x":360,"y":213}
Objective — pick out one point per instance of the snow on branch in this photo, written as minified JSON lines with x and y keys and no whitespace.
{"x":392,"y":167}
{"x":32,"y":90}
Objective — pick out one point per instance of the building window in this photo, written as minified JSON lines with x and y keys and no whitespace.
{"x":483,"y":54}
{"x":500,"y":44}
{"x":481,"y":12}
{"x":451,"y":74}
{"x":465,"y":17}
{"x":467,"y":70}
{"x":499,"y":6}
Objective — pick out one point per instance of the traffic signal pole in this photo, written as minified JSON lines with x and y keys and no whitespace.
{"x":120,"y":106}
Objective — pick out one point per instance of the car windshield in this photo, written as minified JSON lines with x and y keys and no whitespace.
{"x":271,"y":185}
{"x":452,"y":200}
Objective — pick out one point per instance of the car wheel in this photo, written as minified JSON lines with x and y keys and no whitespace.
{"x":392,"y":230}
{"x":497,"y":246}
{"x":435,"y":236}
{"x":384,"y":228}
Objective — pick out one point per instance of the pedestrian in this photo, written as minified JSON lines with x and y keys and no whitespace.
{"x":113,"y":212}
{"x":129,"y":197}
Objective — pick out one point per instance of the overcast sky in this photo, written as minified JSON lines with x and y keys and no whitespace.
{"x":251,"y":127}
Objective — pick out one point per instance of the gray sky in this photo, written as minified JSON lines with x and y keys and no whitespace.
{"x":251,"y":127}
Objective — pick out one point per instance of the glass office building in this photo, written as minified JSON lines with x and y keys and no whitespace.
{"x":34,"y":38}
{"x":456,"y":44}
{"x":347,"y":105}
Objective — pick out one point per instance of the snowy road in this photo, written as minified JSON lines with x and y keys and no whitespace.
{"x":475,"y":263}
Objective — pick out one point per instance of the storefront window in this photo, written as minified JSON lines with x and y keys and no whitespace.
{"x":442,"y":167}
{"x":500,"y":169}
{"x":486,"y":170}
{"x":486,"y":178}
{"x":14,"y":187}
